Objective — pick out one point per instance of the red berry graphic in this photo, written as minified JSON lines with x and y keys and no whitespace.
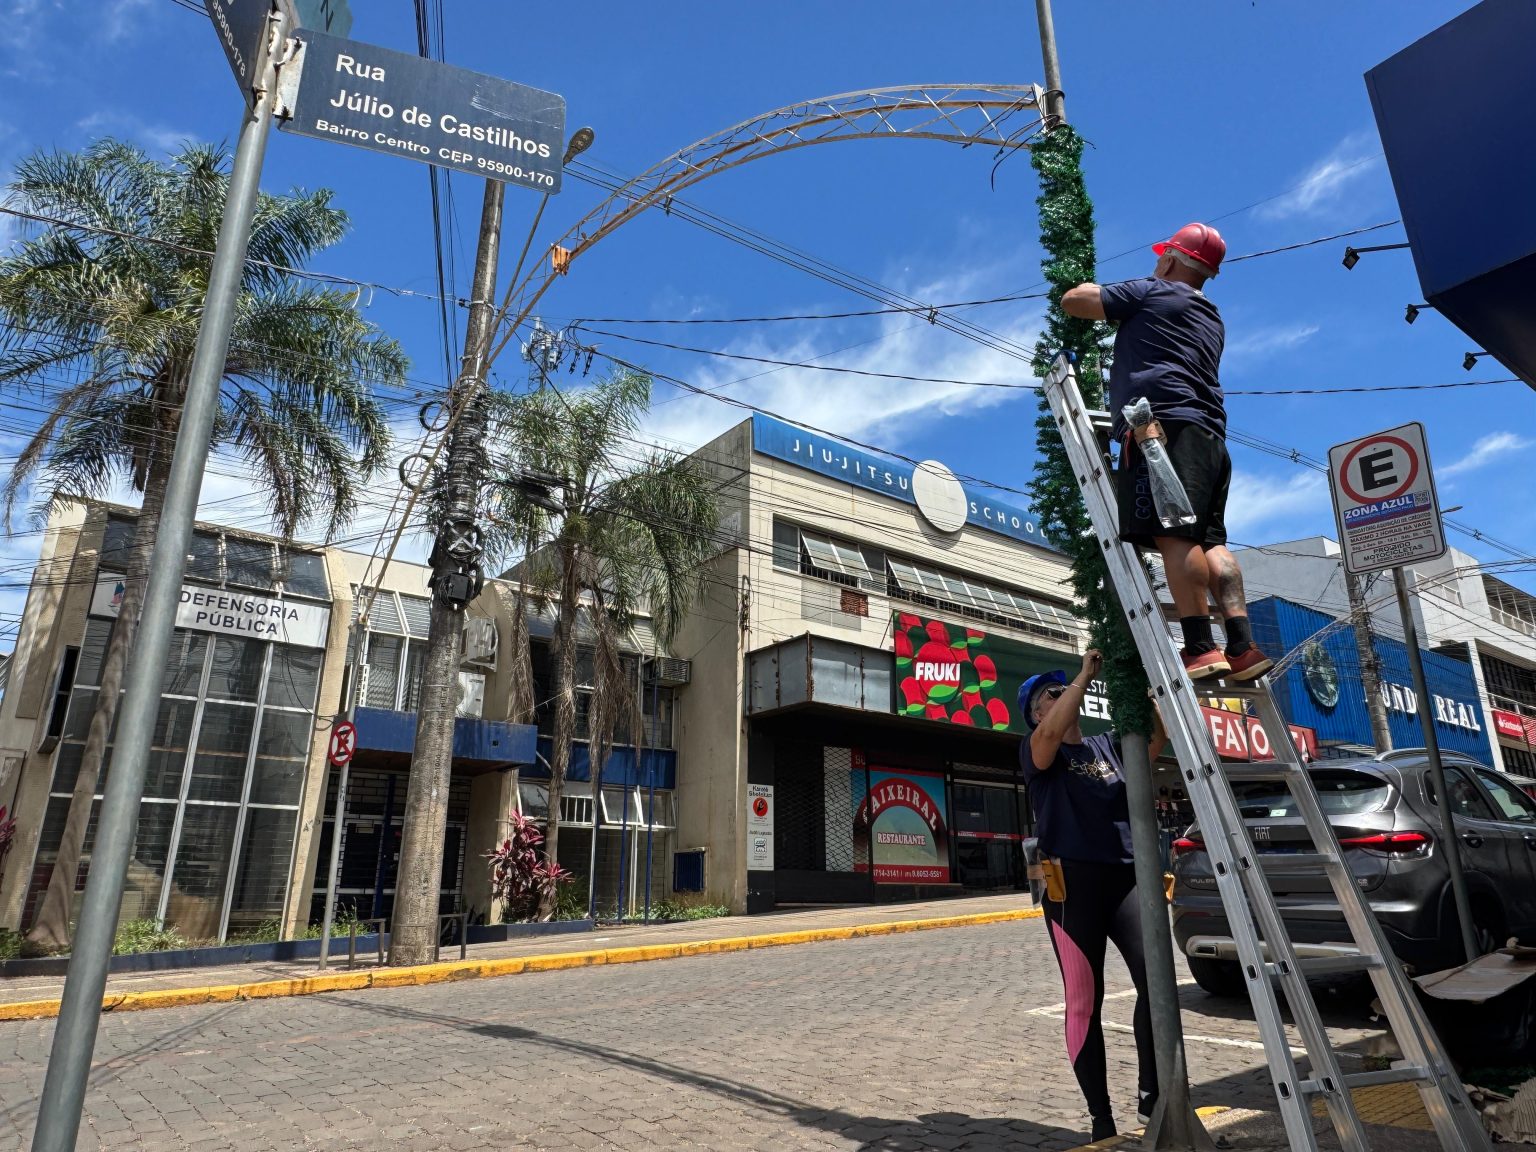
{"x":998,"y":710}
{"x":986,"y":671}
{"x":916,"y":696}
{"x":906,"y":620}
{"x":937,"y":632}
{"x":903,"y":651}
{"x":973,"y":637}
{"x":970,"y":698}
{"x":963,"y":718}
{"x":936,"y":712}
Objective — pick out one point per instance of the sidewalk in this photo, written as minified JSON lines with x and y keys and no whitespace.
{"x":24,"y":997}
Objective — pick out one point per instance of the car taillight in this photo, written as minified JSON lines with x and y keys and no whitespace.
{"x":1184,"y":844}
{"x":1400,"y":843}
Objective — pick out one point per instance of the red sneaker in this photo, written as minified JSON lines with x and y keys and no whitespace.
{"x":1205,"y":664}
{"x":1250,"y":665}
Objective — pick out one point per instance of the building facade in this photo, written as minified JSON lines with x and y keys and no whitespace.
{"x":240,"y":802}
{"x":1485,"y":626}
{"x":850,"y":732}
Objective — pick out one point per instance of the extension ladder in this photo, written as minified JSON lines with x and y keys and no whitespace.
{"x":1265,"y":952}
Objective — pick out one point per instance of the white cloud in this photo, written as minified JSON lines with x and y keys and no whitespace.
{"x":889,"y":412}
{"x":159,"y":139}
{"x":1259,"y":507}
{"x":1326,"y":181}
{"x":1490,"y":448}
{"x":1256,"y":344}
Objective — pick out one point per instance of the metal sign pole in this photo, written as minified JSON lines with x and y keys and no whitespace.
{"x":74,"y":1038}
{"x":1436,"y":771}
{"x":357,"y":642}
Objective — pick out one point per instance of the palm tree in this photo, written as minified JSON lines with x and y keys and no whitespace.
{"x":632,"y":537}
{"x":101,"y":314}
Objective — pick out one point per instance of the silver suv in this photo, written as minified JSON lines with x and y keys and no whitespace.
{"x":1384,"y":814}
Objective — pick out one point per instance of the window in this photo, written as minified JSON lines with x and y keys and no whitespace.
{"x":249,"y":563}
{"x":304,"y":575}
{"x":1340,"y":792}
{"x":835,"y":559}
{"x":1510,"y":802}
{"x":1464,"y":796}
{"x":923,"y":585}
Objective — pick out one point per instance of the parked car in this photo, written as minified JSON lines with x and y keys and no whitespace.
{"x":1384,"y":814}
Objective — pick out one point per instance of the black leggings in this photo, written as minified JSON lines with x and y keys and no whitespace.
{"x":1100,"y":906}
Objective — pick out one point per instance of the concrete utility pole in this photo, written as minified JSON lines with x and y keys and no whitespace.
{"x":1055,"y":101}
{"x":1370,"y":666}
{"x":1174,"y":1123}
{"x":456,"y":580}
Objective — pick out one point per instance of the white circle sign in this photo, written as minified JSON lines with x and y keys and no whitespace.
{"x":940,"y":497}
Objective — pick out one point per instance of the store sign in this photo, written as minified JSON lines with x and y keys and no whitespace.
{"x":933,"y":492}
{"x":1241,"y":737}
{"x":760,"y":827}
{"x":1513,"y":726}
{"x":204,"y":609}
{"x":957,"y":674}
{"x":903,"y":825}
{"x":1454,"y":713}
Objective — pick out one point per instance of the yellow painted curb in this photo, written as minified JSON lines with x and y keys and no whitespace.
{"x":1113,"y":1141}
{"x":451,"y":970}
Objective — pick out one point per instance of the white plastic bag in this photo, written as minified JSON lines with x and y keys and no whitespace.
{"x":1168,"y":496}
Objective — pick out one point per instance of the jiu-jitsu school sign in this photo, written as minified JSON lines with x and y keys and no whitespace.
{"x":1384,"y":500}
{"x":371,"y":97}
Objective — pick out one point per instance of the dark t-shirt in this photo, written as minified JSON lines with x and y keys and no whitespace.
{"x":1168,"y":349}
{"x":1079,"y":801}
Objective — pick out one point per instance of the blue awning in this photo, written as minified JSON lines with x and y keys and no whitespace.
{"x":483,"y":742}
{"x":655,"y":766}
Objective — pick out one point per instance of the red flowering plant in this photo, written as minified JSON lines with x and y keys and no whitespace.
{"x":7,"y":832}
{"x":521,"y":877}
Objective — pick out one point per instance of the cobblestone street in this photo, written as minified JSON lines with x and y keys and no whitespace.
{"x":942,"y":1039}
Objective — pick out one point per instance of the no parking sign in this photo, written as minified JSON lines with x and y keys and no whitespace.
{"x":1384,"y":500}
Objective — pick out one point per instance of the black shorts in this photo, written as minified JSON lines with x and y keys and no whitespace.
{"x":1200,"y":459}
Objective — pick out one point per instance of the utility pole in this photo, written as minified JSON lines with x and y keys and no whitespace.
{"x":1174,"y":1123}
{"x":1370,"y":666}
{"x":74,"y":1037}
{"x":1055,"y":100}
{"x":456,"y":580}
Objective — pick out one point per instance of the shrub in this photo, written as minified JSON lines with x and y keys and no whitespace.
{"x":10,"y":944}
{"x":686,"y":908}
{"x":521,"y":876}
{"x":135,"y":936}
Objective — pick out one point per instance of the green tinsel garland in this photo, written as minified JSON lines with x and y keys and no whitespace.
{"x":1066,"y":234}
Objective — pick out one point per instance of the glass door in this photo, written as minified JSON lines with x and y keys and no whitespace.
{"x":989,"y":850}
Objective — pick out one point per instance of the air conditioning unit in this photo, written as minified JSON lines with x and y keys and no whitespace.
{"x":471,"y":694}
{"x":481,"y":642}
{"x":668,"y":671}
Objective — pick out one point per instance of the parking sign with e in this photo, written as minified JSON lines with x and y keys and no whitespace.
{"x":1384,"y":500}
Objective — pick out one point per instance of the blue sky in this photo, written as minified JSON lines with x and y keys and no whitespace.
{"x":1252,"y":115}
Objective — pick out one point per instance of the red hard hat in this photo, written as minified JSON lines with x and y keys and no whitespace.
{"x":1200,"y":241}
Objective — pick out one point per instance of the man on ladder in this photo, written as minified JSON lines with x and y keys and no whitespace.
{"x":1168,"y":348}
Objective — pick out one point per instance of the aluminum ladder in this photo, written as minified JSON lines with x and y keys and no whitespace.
{"x":1266,"y":954}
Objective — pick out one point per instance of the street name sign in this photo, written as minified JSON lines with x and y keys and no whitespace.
{"x":1384,"y":500}
{"x":425,"y":110}
{"x":240,"y":25}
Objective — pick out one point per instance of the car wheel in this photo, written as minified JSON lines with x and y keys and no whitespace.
{"x":1217,"y":977}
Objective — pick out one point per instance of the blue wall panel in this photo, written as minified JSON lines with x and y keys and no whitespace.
{"x":1323,"y":688}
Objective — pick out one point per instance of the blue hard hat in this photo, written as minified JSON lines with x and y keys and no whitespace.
{"x":1028,"y":689}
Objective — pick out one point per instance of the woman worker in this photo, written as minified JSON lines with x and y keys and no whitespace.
{"x":1077,"y":790}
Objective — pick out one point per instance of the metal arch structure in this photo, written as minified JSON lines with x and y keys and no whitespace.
{"x":1003,"y":116}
